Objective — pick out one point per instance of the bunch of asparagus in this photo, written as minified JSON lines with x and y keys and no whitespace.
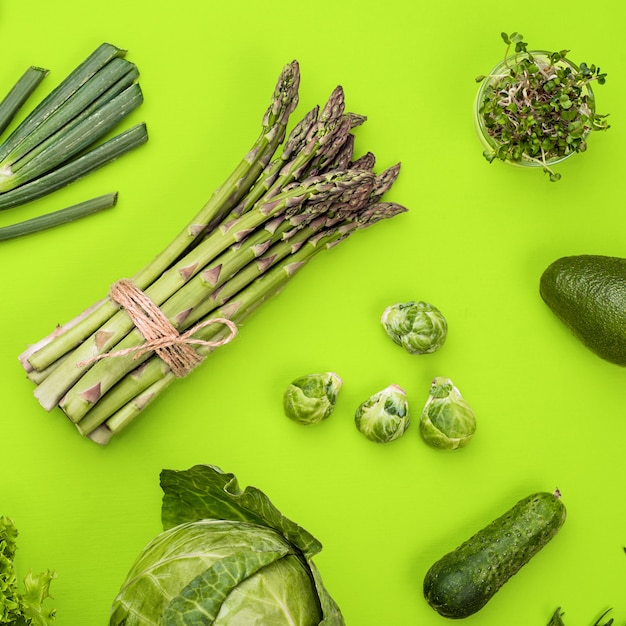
{"x":58,"y":141}
{"x":275,"y":212}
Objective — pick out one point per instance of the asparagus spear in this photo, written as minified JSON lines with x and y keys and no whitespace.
{"x":77,"y":400}
{"x":283,"y":102}
{"x":366,"y":212}
{"x":307,"y":140}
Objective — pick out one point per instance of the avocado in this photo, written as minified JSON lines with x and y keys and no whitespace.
{"x":588,"y":294}
{"x":464,"y":580}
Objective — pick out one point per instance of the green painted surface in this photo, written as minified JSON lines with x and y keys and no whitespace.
{"x":474,"y":243}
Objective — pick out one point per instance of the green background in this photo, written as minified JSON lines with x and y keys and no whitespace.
{"x":474,"y":243}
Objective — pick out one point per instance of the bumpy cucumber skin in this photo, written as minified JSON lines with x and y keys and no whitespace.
{"x":588,"y":294}
{"x":464,"y":580}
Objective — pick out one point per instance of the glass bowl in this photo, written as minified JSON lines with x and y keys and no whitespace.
{"x":490,"y":143}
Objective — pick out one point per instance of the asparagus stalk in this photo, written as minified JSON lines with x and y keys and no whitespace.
{"x":314,"y":237}
{"x":37,"y":377}
{"x":78,"y":399}
{"x":307,"y":140}
{"x":274,"y":124}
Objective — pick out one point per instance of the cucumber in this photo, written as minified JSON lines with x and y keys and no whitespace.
{"x":464,"y":580}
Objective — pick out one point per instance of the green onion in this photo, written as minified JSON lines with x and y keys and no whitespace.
{"x":83,"y":165}
{"x":66,"y":136}
{"x":17,"y":97}
{"x":59,"y":96}
{"x":63,"y":216}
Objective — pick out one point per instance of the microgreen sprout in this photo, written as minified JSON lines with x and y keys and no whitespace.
{"x":537,"y":107}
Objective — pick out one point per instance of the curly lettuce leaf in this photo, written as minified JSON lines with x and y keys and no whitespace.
{"x":206,"y":492}
{"x":21,"y":608}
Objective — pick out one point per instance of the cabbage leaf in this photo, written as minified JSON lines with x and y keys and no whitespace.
{"x":206,"y":492}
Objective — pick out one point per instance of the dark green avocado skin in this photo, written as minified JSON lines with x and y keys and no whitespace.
{"x":464,"y":580}
{"x":588,"y":294}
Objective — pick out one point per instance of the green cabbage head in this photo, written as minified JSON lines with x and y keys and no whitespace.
{"x":226,"y":557}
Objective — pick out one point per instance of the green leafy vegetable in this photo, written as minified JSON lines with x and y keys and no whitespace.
{"x":447,"y":420}
{"x":311,"y":399}
{"x":384,"y":417}
{"x":419,"y":327}
{"x":226,"y":557}
{"x":21,"y":608}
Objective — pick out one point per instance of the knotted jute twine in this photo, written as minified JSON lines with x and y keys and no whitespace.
{"x":160,"y":335}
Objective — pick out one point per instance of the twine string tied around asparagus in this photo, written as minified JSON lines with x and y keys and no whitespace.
{"x":161,"y":336}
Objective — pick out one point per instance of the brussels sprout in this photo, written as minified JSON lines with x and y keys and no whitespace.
{"x":385,"y":416}
{"x":311,"y":398}
{"x":447,"y":420}
{"x":418,"y":327}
